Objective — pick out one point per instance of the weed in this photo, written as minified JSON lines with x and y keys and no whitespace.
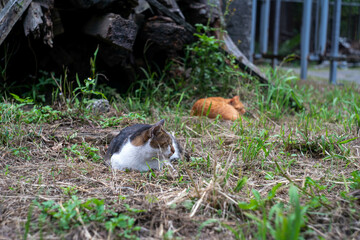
{"x":275,"y":221}
{"x":355,"y":179}
{"x":106,"y":122}
{"x":71,"y":190}
{"x":123,"y":222}
{"x":257,"y":202}
{"x":280,"y":96}
{"x":82,"y":152}
{"x":28,"y":220}
{"x":154,"y":90}
{"x":240,"y":184}
{"x":6,"y":170}
{"x":251,"y":147}
{"x":7,"y":86}
{"x":21,"y":152}
{"x":40,"y":92}
{"x":75,"y":212}
{"x":82,"y":93}
{"x":212,"y":71}
{"x":91,"y":152}
{"x":288,"y":226}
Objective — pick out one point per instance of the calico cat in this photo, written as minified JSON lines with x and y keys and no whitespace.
{"x":143,"y":146}
{"x":229,"y":109}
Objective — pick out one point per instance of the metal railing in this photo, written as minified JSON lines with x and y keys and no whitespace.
{"x":321,"y":13}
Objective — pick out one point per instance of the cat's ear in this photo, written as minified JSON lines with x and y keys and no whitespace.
{"x":155,"y":129}
{"x":236,"y":98}
{"x":160,"y":123}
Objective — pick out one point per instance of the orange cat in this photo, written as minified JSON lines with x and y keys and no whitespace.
{"x":229,"y":109}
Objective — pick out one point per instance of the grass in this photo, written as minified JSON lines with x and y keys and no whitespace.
{"x":277,"y":173}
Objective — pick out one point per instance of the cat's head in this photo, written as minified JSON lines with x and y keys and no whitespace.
{"x":158,"y":139}
{"x":237,"y":104}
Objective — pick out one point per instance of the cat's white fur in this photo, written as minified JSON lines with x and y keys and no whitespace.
{"x":177,"y":154}
{"x":140,"y":157}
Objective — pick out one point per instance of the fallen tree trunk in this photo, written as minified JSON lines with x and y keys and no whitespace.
{"x":38,"y":21}
{"x":179,"y":20}
{"x":10,"y":14}
{"x":114,"y":29}
{"x":167,"y":35}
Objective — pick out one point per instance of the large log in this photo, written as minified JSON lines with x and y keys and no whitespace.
{"x":92,"y":3}
{"x":33,"y":20}
{"x":124,"y":7}
{"x":179,"y":20}
{"x":166,"y":34}
{"x":10,"y":14}
{"x":113,"y":29}
{"x":199,"y":12}
{"x":38,"y":21}
{"x":174,"y":7}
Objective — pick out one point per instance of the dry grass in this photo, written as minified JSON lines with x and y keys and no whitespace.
{"x":198,"y":203}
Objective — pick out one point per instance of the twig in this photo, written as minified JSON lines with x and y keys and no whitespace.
{"x":192,"y":180}
{"x":87,"y":234}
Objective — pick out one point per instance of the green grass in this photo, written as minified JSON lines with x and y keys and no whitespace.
{"x":288,"y":169}
{"x":256,"y":177}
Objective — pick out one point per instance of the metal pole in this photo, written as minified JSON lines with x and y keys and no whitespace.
{"x":253,"y":30}
{"x":305,"y":37}
{"x":335,"y":40}
{"x":324,"y":4}
{"x":358,"y":27}
{"x":316,"y":32}
{"x":264,"y":25}
{"x":276,"y":30}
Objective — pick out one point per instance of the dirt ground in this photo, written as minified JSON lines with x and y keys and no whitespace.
{"x":191,"y":204}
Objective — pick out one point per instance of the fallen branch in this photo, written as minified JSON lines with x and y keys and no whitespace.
{"x":10,"y":14}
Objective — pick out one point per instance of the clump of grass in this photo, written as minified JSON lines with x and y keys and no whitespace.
{"x":75,"y":213}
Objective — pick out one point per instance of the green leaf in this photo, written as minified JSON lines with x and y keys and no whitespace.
{"x":272,"y":192}
{"x":253,"y":205}
{"x":256,"y":195}
{"x":22,"y":100}
{"x":348,"y":140}
{"x":207,"y":222}
{"x":240,"y":184}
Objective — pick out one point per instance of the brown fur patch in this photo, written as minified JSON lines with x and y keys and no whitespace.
{"x":141,"y":139}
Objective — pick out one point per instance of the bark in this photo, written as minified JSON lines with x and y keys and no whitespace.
{"x":38,"y":21}
{"x":10,"y":14}
{"x":114,"y":29}
{"x":167,"y":35}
